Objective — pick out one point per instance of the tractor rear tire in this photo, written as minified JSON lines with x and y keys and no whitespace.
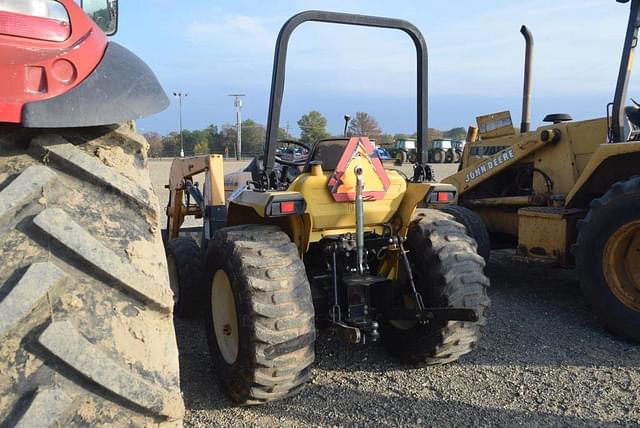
{"x":474,"y":225}
{"x":448,"y":273}
{"x":412,"y":158}
{"x":184,"y":260}
{"x":401,"y":157}
{"x":608,"y":258}
{"x":260,"y":318}
{"x":448,"y":156}
{"x":86,"y":330}
{"x":457,"y":156}
{"x":438,"y":156}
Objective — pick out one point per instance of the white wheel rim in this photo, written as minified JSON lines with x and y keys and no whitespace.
{"x":174,"y":280}
{"x":225,"y":320}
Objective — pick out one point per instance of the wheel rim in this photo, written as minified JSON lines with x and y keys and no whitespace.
{"x":620,"y":262}
{"x":174,"y":280}
{"x":225,"y":320}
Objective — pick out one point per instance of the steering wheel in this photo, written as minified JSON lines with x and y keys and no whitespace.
{"x":294,"y":163}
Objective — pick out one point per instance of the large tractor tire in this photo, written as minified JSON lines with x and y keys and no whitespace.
{"x":608,"y":258}
{"x":447,"y":272}
{"x":184,"y":260}
{"x":86,"y":326}
{"x":474,"y":225}
{"x":401,"y":157}
{"x":438,"y":156}
{"x":260,"y":317}
{"x":412,"y":157}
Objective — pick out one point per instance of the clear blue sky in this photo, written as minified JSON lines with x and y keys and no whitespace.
{"x":210,"y":49}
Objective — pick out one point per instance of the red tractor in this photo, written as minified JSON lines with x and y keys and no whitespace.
{"x":86,"y":331}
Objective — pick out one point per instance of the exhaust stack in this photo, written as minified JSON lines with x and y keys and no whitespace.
{"x":526,"y":90}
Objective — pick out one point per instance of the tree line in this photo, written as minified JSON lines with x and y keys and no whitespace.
{"x":313,"y":127}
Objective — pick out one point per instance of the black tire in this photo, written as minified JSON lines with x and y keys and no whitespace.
{"x":184,"y":261}
{"x":272,"y":298}
{"x":401,"y":157}
{"x":448,"y":273}
{"x":438,"y":156}
{"x":412,"y":157}
{"x":86,"y":332}
{"x":448,"y":156}
{"x":618,"y":207}
{"x":457,"y":156}
{"x":474,"y":225}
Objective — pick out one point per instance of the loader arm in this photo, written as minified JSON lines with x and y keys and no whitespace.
{"x":473,"y":175}
{"x":181,"y":180}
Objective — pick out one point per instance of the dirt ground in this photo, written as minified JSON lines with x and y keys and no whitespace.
{"x":543,"y":361}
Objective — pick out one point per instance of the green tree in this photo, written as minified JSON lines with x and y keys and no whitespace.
{"x":253,"y":135}
{"x":155,"y":143}
{"x":313,"y":127}
{"x":458,"y":133}
{"x":364,"y":124}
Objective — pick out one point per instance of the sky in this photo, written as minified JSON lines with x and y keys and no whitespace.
{"x":210,"y":49}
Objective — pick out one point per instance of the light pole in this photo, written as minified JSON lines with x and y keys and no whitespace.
{"x":180,"y":96}
{"x":238,"y":105}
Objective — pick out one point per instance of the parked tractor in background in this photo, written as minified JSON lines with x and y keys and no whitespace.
{"x":86,"y":332}
{"x":567,"y":193}
{"x":404,"y":150}
{"x":445,"y":151}
{"x":288,"y":246}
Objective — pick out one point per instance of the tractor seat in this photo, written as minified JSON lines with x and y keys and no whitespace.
{"x":633,"y":114}
{"x":328,"y":152}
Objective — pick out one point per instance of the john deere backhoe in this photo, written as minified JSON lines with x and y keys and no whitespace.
{"x":86,"y":331}
{"x":567,"y":193}
{"x":330,"y":238}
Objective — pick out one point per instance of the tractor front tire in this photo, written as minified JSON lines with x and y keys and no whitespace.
{"x":260,"y":318}
{"x":474,"y":225}
{"x":447,"y":272}
{"x":86,"y":330}
{"x":608,"y":258}
{"x":184,"y":260}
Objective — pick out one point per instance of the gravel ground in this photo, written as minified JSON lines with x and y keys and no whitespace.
{"x":543,"y":361}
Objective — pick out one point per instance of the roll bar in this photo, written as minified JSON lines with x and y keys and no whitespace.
{"x":279,"y":62}
{"x":626,"y":62}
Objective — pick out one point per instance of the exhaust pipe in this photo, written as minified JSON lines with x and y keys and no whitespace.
{"x":360,"y":217}
{"x":525,"y":124}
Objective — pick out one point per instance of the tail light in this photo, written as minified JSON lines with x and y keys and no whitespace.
{"x":285,"y":205}
{"x":35,"y":19}
{"x":442,"y":197}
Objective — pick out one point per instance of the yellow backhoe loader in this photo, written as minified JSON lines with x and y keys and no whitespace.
{"x":567,"y":193}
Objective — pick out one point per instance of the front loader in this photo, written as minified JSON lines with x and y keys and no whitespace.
{"x":332,"y":241}
{"x":86,"y":332}
{"x":567,"y":193}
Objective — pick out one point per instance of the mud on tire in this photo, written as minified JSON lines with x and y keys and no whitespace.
{"x":86,"y":331}
{"x":448,"y":272}
{"x":275,"y":317}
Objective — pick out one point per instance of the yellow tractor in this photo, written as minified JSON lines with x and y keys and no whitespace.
{"x":329,"y":240}
{"x":567,"y":193}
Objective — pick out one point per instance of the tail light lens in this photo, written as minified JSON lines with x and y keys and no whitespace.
{"x":280,"y":206}
{"x":35,"y":19}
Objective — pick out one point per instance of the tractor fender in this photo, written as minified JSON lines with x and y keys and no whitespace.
{"x":608,"y":164}
{"x":121,"y":88}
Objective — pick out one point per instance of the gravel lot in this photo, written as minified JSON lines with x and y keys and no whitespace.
{"x":543,"y":361}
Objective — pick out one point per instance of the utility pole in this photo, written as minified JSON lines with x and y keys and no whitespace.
{"x":238,"y":105}
{"x":180,"y":96}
